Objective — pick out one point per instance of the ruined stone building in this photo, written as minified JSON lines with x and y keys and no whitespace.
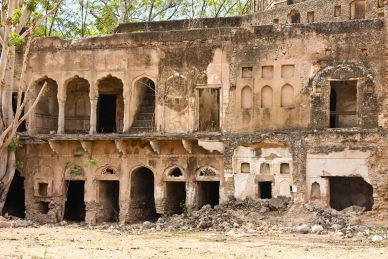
{"x":290,"y":100}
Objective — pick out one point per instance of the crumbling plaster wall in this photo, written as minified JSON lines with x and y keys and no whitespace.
{"x":47,"y":165}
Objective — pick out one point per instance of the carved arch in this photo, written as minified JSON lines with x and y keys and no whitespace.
{"x":206,"y":173}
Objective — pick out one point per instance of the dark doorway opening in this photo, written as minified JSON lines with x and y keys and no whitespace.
{"x":75,"y":205}
{"x":142,"y":195}
{"x":22,"y":126}
{"x":350,"y":191}
{"x":175,"y":195}
{"x":15,"y":203}
{"x":265,"y":190}
{"x":107,"y":113}
{"x":343,"y":104}
{"x":208,"y":193}
{"x":109,"y":192}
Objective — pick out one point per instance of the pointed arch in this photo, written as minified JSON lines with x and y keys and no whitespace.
{"x":110,"y":110}
{"x":266,"y":97}
{"x":47,"y":109}
{"x":77,"y":106}
{"x":143,"y":105}
{"x":287,"y":96}
{"x":246,"y":97}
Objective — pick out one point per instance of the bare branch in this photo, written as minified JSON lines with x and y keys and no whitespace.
{"x":101,"y":21}
{"x":43,"y":18}
{"x":111,"y":14}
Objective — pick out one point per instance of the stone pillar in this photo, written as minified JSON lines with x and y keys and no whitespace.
{"x":125,"y":122}
{"x":93,"y":115}
{"x":61,"y":117}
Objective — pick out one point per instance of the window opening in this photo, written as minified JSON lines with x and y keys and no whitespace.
{"x":44,"y":207}
{"x":343,"y":104}
{"x":176,"y":172}
{"x":43,"y":189}
{"x":245,"y":168}
{"x":107,"y":113}
{"x":357,"y":9}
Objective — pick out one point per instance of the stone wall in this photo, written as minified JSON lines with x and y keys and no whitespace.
{"x":232,"y":108}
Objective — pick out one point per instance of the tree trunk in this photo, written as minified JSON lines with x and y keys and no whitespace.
{"x":7,"y":170}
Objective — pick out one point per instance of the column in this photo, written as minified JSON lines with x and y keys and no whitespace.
{"x":93,"y":115}
{"x":61,"y":117}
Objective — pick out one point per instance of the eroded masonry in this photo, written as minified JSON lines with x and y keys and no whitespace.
{"x":290,"y":100}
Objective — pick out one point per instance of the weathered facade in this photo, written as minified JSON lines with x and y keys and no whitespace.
{"x":286,"y":101}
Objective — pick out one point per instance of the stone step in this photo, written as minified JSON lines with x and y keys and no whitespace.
{"x":144,"y":116}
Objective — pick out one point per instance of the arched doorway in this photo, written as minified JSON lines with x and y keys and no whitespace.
{"x":144,"y":100}
{"x":142,"y":205}
{"x":110,"y":110}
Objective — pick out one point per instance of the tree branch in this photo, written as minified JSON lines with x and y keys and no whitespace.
{"x":43,"y":18}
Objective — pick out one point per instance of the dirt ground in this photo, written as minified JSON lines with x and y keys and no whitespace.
{"x":66,"y":242}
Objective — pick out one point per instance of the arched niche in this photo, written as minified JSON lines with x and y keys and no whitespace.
{"x":293,"y":16}
{"x":46,"y":111}
{"x":266,"y":97}
{"x":357,"y":9}
{"x":315,"y":193}
{"x":110,"y":107}
{"x":246,"y":97}
{"x":287,"y":96}
{"x":77,"y":107}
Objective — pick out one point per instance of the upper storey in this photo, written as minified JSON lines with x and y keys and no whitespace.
{"x":217,"y":79}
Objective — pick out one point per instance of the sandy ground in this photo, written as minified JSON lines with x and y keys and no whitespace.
{"x":60,"y":242}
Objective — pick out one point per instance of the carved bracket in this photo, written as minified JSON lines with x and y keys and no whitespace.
{"x":212,"y":145}
{"x":121,"y":146}
{"x":87,"y":146}
{"x":55,"y":146}
{"x":188,"y":145}
{"x":155,"y":146}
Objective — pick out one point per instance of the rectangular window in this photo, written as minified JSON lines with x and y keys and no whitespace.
{"x":337,"y":11}
{"x":310,"y":17}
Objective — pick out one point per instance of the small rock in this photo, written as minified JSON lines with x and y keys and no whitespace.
{"x":63,"y":223}
{"x":5,"y":224}
{"x":377,"y":238}
{"x":316,"y":228}
{"x":302,"y":229}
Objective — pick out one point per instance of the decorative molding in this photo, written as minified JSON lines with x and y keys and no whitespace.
{"x":207,"y":172}
{"x":121,"y":146}
{"x":212,"y":145}
{"x":55,"y":146}
{"x":87,"y":146}
{"x":188,"y":145}
{"x":155,"y":146}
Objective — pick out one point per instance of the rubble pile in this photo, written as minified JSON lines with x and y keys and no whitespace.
{"x":241,"y":218}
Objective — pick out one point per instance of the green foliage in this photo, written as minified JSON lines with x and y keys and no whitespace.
{"x":91,"y":162}
{"x":184,"y":208}
{"x":17,"y":13}
{"x":16,"y":40}
{"x":13,"y":146}
{"x":18,"y":165}
{"x":31,"y":5}
{"x":76,"y":171}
